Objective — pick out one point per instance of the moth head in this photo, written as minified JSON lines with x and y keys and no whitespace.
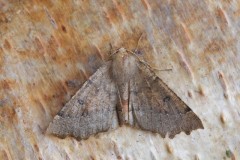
{"x":122,"y":53}
{"x":124,"y":65}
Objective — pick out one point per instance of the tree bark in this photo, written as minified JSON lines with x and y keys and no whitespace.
{"x":49,"y":49}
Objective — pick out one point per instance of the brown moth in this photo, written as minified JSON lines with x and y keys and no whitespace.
{"x":125,"y":90}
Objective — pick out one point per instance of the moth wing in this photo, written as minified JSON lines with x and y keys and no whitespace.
{"x":157,"y":108}
{"x":91,"y":110}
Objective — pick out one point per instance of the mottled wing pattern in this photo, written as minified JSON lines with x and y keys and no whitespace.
{"x":158,"y":109}
{"x":91,"y":110}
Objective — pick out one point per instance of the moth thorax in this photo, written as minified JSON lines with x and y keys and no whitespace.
{"x":124,"y":67}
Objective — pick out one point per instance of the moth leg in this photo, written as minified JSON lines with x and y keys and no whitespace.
{"x":135,"y":50}
{"x":111,"y":48}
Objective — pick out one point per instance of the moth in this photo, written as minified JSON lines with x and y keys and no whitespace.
{"x":124,"y":91}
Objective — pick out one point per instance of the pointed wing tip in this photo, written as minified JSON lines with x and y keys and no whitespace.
{"x":53,"y":131}
{"x":55,"y":128}
{"x":187,"y":132}
{"x":50,"y":129}
{"x":201,"y":126}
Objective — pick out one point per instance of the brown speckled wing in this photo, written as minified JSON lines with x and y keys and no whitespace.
{"x":157,"y":108}
{"x":91,"y":110}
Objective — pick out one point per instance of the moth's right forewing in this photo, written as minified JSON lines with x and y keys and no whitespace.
{"x":91,"y":110}
{"x":157,"y":108}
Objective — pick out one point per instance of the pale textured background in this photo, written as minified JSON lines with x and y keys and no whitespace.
{"x":49,"y":48}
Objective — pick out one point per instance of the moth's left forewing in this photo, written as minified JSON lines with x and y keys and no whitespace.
{"x":91,"y":110}
{"x":157,"y":108}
